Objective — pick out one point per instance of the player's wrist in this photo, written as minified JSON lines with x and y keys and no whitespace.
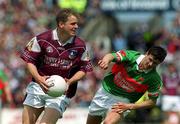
{"x":131,"y":106}
{"x":68,"y":83}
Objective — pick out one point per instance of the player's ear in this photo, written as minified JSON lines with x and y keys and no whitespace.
{"x":61,"y":24}
{"x":147,"y":53}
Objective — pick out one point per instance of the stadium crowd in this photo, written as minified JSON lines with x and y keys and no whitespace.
{"x":22,"y":19}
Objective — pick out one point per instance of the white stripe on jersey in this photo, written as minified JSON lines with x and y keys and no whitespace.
{"x":33,"y":45}
{"x":119,"y":56}
{"x":85,"y":56}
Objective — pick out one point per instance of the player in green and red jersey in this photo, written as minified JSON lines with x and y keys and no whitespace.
{"x":3,"y":78}
{"x":4,"y":88}
{"x":131,"y":76}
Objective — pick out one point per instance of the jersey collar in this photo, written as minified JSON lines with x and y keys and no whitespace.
{"x":55,"y":37}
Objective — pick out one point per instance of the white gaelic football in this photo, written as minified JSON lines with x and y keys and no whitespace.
{"x":57,"y":86}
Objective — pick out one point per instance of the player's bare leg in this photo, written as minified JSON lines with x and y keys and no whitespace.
{"x":94,"y":119}
{"x":30,"y":114}
{"x":112,"y":118}
{"x":50,"y":116}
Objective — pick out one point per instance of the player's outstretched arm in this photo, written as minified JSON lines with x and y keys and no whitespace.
{"x":41,"y":80}
{"x":121,"y":107}
{"x":76,"y":77}
{"x":104,"y":63}
{"x":116,"y":113}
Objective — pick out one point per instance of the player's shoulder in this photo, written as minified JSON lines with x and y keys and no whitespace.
{"x":154,"y":74}
{"x":46,"y":35}
{"x":79,"y":41}
{"x":132,"y":52}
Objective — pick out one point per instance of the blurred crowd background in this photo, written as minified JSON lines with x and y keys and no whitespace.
{"x":104,"y":30}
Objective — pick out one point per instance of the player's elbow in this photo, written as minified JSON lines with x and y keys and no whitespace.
{"x":152,"y":103}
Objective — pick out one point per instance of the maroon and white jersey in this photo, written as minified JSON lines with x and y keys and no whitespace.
{"x":52,"y":57}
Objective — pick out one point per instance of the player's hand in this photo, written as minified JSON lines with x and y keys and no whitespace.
{"x":42,"y":82}
{"x":103,"y":64}
{"x":121,"y":107}
{"x":68,"y":83}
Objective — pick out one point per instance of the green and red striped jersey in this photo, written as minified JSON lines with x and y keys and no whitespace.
{"x":3,"y":80}
{"x":125,"y":78}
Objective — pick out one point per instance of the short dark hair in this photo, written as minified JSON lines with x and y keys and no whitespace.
{"x":63,"y":14}
{"x":158,"y":52}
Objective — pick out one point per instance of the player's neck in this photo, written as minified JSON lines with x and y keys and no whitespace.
{"x":63,"y":37}
{"x":140,"y":66}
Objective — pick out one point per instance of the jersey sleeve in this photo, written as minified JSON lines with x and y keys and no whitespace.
{"x":86,"y":65}
{"x":3,"y":76}
{"x":154,"y":88}
{"x":32,"y":51}
{"x":3,"y":79}
{"x":125,"y":55}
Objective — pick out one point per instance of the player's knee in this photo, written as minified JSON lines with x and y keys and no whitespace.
{"x":28,"y":121}
{"x":110,"y":121}
{"x":113,"y":118}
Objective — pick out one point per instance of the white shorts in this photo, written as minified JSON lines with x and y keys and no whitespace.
{"x":171,"y":103}
{"x":103,"y":101}
{"x":38,"y":101}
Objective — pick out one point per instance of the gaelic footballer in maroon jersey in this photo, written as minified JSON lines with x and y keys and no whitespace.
{"x":51,"y":57}
{"x":54,"y":52}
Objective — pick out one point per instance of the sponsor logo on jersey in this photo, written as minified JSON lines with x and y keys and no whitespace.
{"x":64,"y":64}
{"x":73,"y":54}
{"x":49,"y":49}
{"x":121,"y":82}
{"x":128,"y":84}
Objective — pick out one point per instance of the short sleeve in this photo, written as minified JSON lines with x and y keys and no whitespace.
{"x":154,"y":88}
{"x":125,"y":55}
{"x":86,"y":64}
{"x":32,"y":51}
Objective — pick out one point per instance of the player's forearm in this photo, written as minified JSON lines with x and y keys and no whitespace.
{"x":33,"y":71}
{"x":77,"y":76}
{"x":8,"y":94}
{"x":146,"y":104}
{"x":104,"y":63}
{"x":109,"y":57}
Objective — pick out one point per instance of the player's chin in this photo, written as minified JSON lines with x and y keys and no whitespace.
{"x":148,"y":68}
{"x":73,"y":33}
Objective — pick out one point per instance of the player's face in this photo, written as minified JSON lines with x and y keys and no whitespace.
{"x":148,"y":62}
{"x":71,"y":25}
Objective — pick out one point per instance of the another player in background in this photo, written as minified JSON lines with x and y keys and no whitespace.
{"x":131,"y":76}
{"x":4,"y":90}
{"x":54,"y":52}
